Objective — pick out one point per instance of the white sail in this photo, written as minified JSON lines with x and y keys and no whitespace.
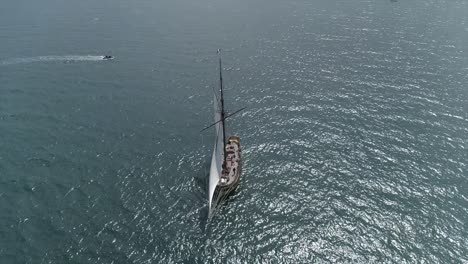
{"x":218,"y":152}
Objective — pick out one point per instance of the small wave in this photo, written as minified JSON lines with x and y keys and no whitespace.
{"x":50,"y":59}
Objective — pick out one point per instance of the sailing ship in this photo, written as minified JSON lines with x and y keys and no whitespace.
{"x":226,"y":161}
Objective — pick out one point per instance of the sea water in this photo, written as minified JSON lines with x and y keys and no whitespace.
{"x":354,"y":137}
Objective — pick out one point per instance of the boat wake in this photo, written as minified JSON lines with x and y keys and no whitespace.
{"x":66,"y":58}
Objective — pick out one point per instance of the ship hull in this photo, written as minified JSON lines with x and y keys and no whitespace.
{"x":223,"y":192}
{"x":224,"y":189}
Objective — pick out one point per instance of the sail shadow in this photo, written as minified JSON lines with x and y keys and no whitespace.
{"x":201,"y":182}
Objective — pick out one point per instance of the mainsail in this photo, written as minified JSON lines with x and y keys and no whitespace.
{"x":217,"y":160}
{"x":218,"y":152}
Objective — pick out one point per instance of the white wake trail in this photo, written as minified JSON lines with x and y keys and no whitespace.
{"x":51,"y":59}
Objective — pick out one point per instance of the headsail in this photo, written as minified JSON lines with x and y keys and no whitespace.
{"x":218,"y":153}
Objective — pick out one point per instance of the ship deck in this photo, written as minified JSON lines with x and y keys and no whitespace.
{"x":230,"y":173}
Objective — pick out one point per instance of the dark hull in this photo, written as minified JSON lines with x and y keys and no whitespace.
{"x":222,"y":193}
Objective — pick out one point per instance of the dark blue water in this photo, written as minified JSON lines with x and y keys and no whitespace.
{"x":355,"y":137}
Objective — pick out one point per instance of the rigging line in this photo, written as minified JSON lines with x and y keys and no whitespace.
{"x":223,"y":119}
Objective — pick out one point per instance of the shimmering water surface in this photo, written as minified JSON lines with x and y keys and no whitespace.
{"x":355,"y":137}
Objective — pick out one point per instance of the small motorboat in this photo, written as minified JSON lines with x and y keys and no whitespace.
{"x":107,"y":57}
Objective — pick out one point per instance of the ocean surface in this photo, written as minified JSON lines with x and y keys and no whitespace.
{"x":355,"y":136}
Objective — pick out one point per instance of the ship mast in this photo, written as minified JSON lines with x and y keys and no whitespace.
{"x":222,"y":107}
